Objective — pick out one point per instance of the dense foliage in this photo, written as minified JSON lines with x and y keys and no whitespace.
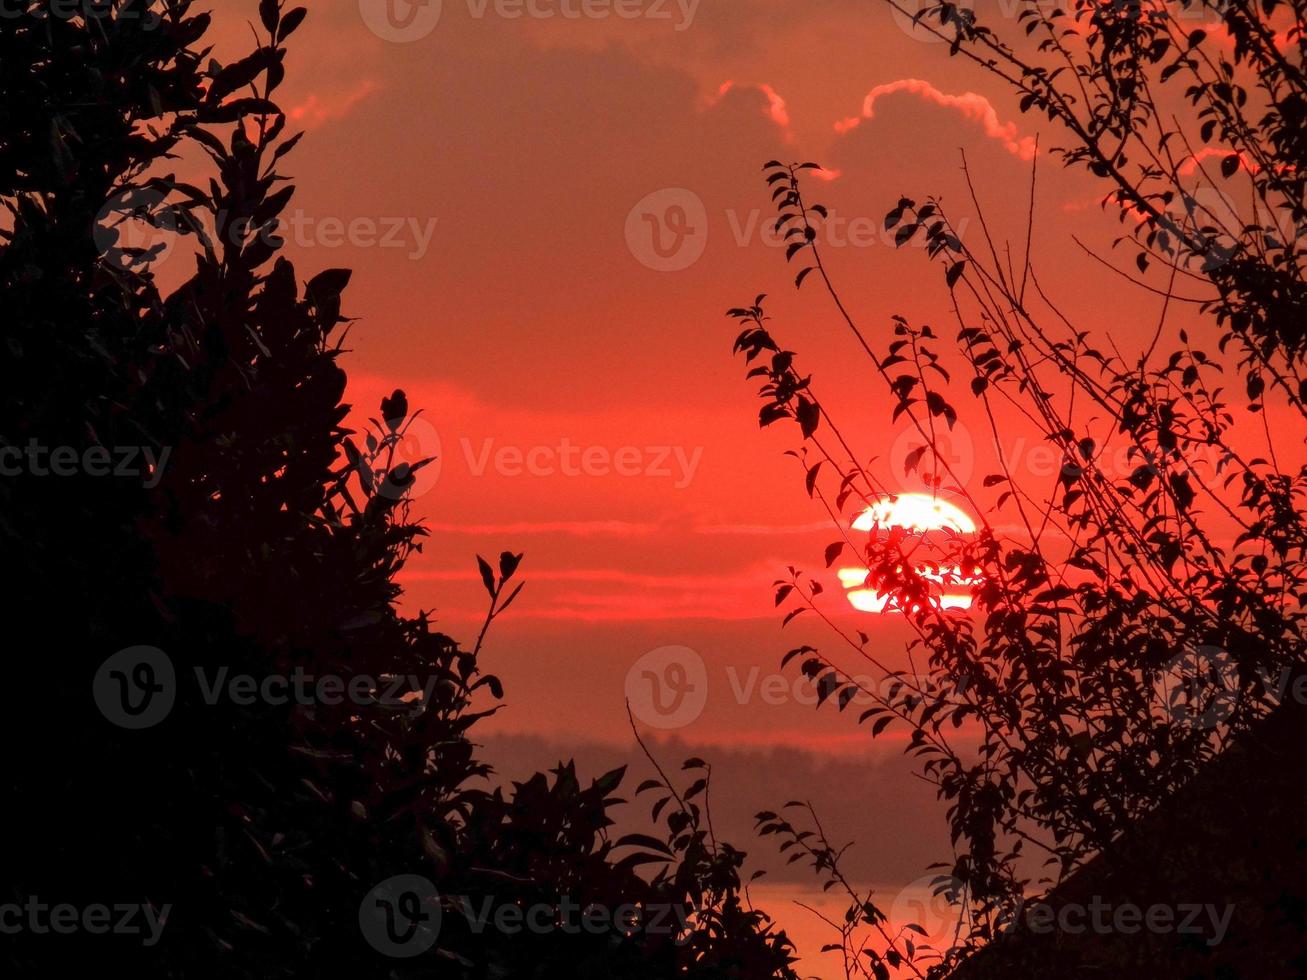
{"x":1140,"y":619}
{"x":263,"y":539}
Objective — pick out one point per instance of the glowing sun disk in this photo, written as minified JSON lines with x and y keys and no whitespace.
{"x":915,"y":513}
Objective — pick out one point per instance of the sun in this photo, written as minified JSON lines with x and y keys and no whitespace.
{"x":916,"y":514}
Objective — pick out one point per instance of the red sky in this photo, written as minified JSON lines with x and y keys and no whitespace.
{"x":529,"y":323}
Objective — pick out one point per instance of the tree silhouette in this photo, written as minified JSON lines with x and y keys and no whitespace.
{"x":1118,"y":646}
{"x":252,"y":536}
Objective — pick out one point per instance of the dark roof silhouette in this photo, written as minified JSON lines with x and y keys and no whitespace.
{"x":1235,"y":836}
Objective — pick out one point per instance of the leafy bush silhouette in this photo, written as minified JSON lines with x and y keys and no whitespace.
{"x":263,"y":540}
{"x":1118,"y":646}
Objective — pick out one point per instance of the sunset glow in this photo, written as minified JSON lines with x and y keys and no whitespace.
{"x":916,"y":513}
{"x":655,"y":488}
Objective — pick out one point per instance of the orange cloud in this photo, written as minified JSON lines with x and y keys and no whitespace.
{"x":970,"y":104}
{"x":613,"y":595}
{"x":607,"y":576}
{"x":765,"y":530}
{"x":775,"y":110}
{"x":314,"y":111}
{"x":776,"y":106}
{"x":580,"y":528}
{"x":1282,"y":40}
{"x":1192,"y":163}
